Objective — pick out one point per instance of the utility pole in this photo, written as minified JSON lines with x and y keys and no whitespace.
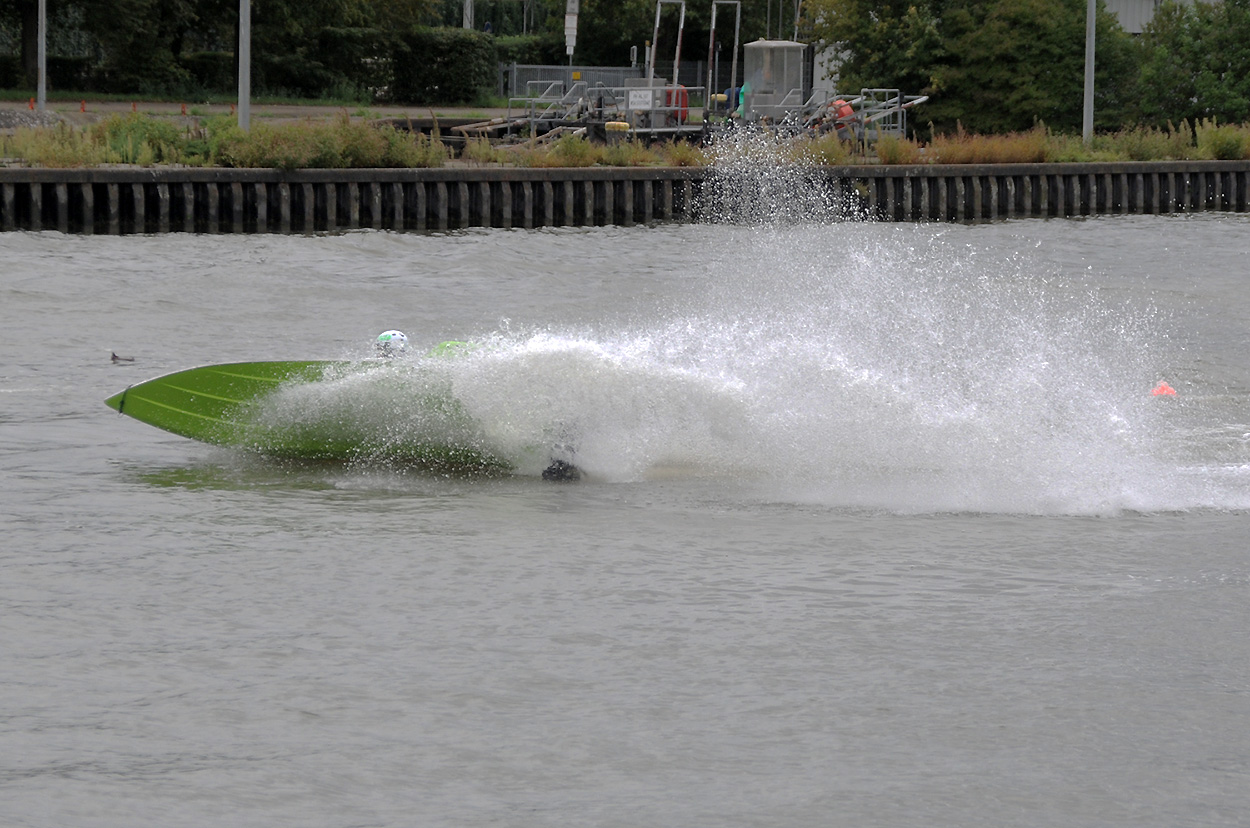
{"x":42,"y":56}
{"x":245,"y":64}
{"x":1087,"y":124}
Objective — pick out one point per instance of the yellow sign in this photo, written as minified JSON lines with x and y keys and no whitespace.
{"x":577,"y":76}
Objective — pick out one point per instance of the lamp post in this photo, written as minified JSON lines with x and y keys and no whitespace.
{"x":42,"y":57}
{"x":245,"y":64}
{"x":1087,"y":122}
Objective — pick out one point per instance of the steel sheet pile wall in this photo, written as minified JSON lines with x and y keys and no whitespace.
{"x":307,"y":201}
{"x":1001,"y":191}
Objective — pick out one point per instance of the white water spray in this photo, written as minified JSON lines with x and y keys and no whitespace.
{"x":858,"y":364}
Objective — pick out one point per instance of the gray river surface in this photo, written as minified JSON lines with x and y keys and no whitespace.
{"x":882,"y":525}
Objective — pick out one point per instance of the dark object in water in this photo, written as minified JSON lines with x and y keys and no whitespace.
{"x":117,"y":358}
{"x":562,"y":472}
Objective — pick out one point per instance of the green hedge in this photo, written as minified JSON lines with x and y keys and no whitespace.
{"x":69,"y":72}
{"x":443,"y":66}
{"x":11,"y":72}
{"x":212,"y":71}
{"x":539,"y":49}
{"x":63,"y":72}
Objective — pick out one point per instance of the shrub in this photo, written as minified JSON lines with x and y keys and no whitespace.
{"x":1222,"y":142}
{"x":1028,"y":147}
{"x":892,"y":149}
{"x":629,"y":154}
{"x":412,"y":149}
{"x":136,"y":139}
{"x":312,"y":144}
{"x":828,"y":149}
{"x":212,"y":71}
{"x":443,"y":66}
{"x":565,"y":151}
{"x":60,"y":146}
{"x":11,"y":74}
{"x":545,"y":48}
{"x":1149,"y":143}
{"x":682,"y":154}
{"x":69,"y":72}
{"x":479,"y":150}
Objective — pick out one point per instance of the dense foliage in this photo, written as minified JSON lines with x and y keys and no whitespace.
{"x":1196,"y":62}
{"x":332,"y":48}
{"x":299,"y":47}
{"x":987,"y":65}
{"x":436,"y":65}
{"x":1004,"y":65}
{"x":991,"y":66}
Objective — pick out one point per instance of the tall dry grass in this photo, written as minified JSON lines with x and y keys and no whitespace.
{"x":130,"y":139}
{"x":1222,"y":142}
{"x":966,"y":148}
{"x":343,"y":142}
{"x":340,"y":143}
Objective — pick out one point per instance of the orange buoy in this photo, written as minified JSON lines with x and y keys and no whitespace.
{"x":1163,"y":390}
{"x":678,"y":98}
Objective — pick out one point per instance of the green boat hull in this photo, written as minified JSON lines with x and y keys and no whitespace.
{"x":311,"y":410}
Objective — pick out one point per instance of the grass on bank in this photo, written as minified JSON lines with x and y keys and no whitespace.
{"x":342,"y":142}
{"x":137,"y":139}
{"x":1204,"y":141}
{"x":337,"y":143}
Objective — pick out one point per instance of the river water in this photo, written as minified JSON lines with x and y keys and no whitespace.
{"x":882,"y":525}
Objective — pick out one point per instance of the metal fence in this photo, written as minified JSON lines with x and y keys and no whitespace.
{"x":518,"y":80}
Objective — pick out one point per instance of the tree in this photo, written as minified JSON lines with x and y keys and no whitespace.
{"x":316,"y":47}
{"x":138,"y":38}
{"x":1013,"y":63}
{"x":27,"y":12}
{"x":895,"y":44}
{"x":1196,"y":63}
{"x":991,"y":66}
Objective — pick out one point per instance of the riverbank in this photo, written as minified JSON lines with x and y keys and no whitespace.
{"x":295,"y":137}
{"x":199,"y":200}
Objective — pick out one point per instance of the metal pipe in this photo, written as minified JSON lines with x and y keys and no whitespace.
{"x":681,"y":27}
{"x":655,"y":39}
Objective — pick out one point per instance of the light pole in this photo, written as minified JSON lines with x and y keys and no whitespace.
{"x":245,"y":64}
{"x":1087,"y":122}
{"x":42,"y":57}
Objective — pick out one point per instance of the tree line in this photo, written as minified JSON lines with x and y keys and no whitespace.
{"x":987,"y":65}
{"x":1005,"y":65}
